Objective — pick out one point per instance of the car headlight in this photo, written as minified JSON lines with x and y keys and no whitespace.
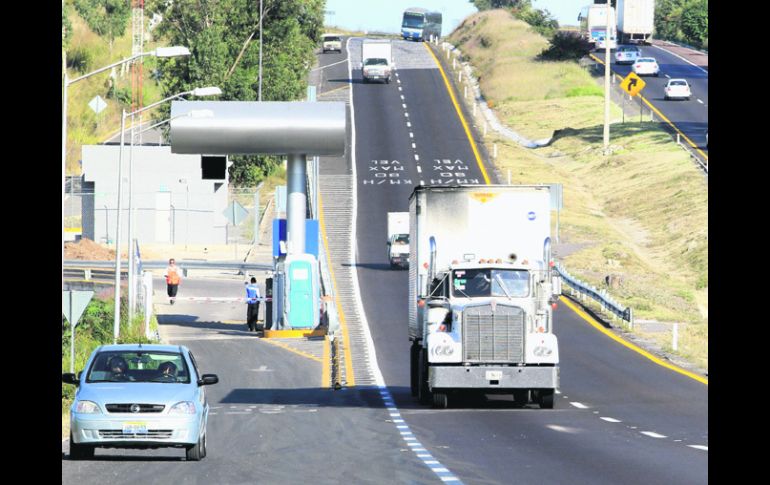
{"x":541,"y":351}
{"x":87,"y":407}
{"x":184,"y":407}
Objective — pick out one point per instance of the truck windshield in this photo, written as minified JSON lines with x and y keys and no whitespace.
{"x":471,"y":283}
{"x":402,"y":239}
{"x":413,"y":21}
{"x":375,"y":62}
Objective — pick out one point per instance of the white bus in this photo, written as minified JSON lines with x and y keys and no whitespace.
{"x":593,"y":22}
{"x":420,"y":24}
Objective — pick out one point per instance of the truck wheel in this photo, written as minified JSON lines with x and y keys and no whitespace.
{"x":414,"y":360}
{"x":423,"y":392}
{"x":545,"y":398}
{"x":440,"y":400}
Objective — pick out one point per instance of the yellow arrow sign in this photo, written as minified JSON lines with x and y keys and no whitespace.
{"x":632,"y":84}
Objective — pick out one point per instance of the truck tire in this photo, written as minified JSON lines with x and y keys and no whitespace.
{"x":545,"y":398}
{"x":423,"y":391}
{"x":414,"y":361}
{"x":440,"y":400}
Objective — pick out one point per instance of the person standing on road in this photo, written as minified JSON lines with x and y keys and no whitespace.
{"x":252,"y":299}
{"x":173,"y":278}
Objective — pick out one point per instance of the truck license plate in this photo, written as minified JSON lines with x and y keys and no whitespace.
{"x":494,"y":375}
{"x":134,"y":428}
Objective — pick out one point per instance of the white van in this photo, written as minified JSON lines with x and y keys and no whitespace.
{"x":332,"y":42}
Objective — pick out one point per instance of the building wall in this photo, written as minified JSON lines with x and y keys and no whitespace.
{"x":170,"y":200}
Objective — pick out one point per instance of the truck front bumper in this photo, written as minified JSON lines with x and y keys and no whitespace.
{"x":493,"y":377}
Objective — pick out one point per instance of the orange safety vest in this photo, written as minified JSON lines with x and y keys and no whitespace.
{"x":172,"y":277}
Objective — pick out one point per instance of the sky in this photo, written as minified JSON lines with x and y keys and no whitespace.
{"x":385,"y":16}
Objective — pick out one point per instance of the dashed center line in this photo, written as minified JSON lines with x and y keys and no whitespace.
{"x":701,"y":102}
{"x":610,"y":420}
{"x":579,"y":405}
{"x":414,"y":145}
{"x":652,"y":434}
{"x":419,"y":170}
{"x":699,"y":447}
{"x":403,"y":105}
{"x":416,"y":156}
{"x":402,"y":97}
{"x":411,"y":135}
{"x":408,"y":124}
{"x":406,"y":114}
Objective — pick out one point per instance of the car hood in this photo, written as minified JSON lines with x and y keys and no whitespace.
{"x":137,"y":392}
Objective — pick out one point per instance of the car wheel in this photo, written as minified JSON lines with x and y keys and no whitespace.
{"x":440,"y":400}
{"x":194,"y":453}
{"x":80,"y":452}
{"x":204,"y":449}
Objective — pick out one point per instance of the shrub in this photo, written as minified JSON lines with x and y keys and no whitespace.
{"x":566,"y":46}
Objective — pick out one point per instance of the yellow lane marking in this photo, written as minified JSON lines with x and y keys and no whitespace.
{"x":662,"y":116}
{"x":286,"y":347}
{"x":326,"y":377}
{"x":351,"y":380}
{"x":631,"y":346}
{"x":460,"y":114}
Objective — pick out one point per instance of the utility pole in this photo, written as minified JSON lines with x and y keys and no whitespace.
{"x":607,"y":74}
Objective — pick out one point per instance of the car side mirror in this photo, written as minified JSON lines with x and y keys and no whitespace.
{"x":70,"y":378}
{"x":207,"y":379}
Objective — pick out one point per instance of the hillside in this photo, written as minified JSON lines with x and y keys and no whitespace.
{"x":639,"y":214}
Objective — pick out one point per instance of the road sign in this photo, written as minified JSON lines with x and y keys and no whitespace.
{"x":97,"y":104}
{"x":632,"y":84}
{"x":235,"y":213}
{"x":74,"y":303}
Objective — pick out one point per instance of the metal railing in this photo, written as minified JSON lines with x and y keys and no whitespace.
{"x":161,"y":264}
{"x":607,"y":303}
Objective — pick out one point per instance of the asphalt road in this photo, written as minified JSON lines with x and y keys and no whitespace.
{"x":690,"y":117}
{"x":491,"y":441}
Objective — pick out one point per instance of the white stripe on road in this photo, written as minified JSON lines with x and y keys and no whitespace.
{"x":414,"y":145}
{"x":701,"y":102}
{"x":411,"y":135}
{"x":419,"y":170}
{"x":610,"y":420}
{"x":682,"y":58}
{"x":652,"y":434}
{"x":417,"y":157}
{"x":699,"y":447}
{"x":579,"y":405}
{"x":403,"y":105}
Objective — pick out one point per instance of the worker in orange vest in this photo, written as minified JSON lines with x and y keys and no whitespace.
{"x":173,"y":278}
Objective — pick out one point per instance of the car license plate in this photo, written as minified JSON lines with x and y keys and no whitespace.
{"x":494,"y":375}
{"x":135,"y":428}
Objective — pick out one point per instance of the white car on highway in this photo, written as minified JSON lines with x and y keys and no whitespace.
{"x":677,"y":89}
{"x":646,"y":66}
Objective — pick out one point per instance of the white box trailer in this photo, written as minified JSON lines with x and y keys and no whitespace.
{"x":377,"y":60}
{"x":636,"y":20}
{"x":398,"y":239}
{"x":481,"y":291}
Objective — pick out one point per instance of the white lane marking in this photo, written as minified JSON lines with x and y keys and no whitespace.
{"x":399,"y":88}
{"x":419,"y":170}
{"x":668,"y":76}
{"x":417,"y":157}
{"x":558,"y":392}
{"x":449,"y":479}
{"x":431,"y":462}
{"x":403,"y":105}
{"x":414,"y":145}
{"x":699,"y":447}
{"x":439,"y":470}
{"x":329,"y":65}
{"x":682,"y":58}
{"x":610,"y":420}
{"x":579,"y":405}
{"x":402,"y":97}
{"x":652,"y":434}
{"x":562,"y":429}
{"x":411,"y":135}
{"x":406,"y":114}
{"x":408,"y":124}
{"x":398,"y":81}
{"x":701,"y":102}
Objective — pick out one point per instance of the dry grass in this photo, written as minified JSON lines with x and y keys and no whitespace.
{"x":640,"y":212}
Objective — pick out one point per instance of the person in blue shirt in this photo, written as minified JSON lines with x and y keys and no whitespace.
{"x":252,"y":312}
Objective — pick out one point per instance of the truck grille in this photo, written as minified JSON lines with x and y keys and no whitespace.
{"x":493,"y":335}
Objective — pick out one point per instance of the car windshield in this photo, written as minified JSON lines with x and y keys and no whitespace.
{"x":677,"y":83}
{"x":138,"y":366}
{"x":332,"y":39}
{"x":413,"y":21}
{"x":375,"y":62}
{"x":402,"y":239}
{"x":490,"y":282}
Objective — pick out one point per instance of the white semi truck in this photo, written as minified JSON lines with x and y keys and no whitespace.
{"x":398,"y":239}
{"x":636,"y":19}
{"x":481,"y":293}
{"x":377,"y":60}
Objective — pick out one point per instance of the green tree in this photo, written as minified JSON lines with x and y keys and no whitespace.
{"x":66,"y":27}
{"x":541,"y":20}
{"x":223,"y":38}
{"x":695,"y":22}
{"x":492,"y":4}
{"x":108,"y":18}
{"x":668,"y":15}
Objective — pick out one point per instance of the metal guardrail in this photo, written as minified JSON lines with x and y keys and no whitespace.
{"x":607,"y":303}
{"x":161,"y":264}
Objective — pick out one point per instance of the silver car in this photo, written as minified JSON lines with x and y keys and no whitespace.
{"x":627,"y":54}
{"x":139,"y":396}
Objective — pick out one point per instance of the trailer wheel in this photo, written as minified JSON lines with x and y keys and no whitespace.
{"x":423,"y":392}
{"x":414,"y":361}
{"x":440,"y":400}
{"x":545,"y":398}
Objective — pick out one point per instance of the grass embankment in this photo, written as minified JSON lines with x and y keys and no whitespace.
{"x":640,"y":213}
{"x":95,"y":328}
{"x":91,"y":52}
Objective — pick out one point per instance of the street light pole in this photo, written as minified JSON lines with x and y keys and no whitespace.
{"x":116,"y":317}
{"x":607,"y":83}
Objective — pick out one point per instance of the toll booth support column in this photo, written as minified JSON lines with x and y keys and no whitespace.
{"x":296,"y":204}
